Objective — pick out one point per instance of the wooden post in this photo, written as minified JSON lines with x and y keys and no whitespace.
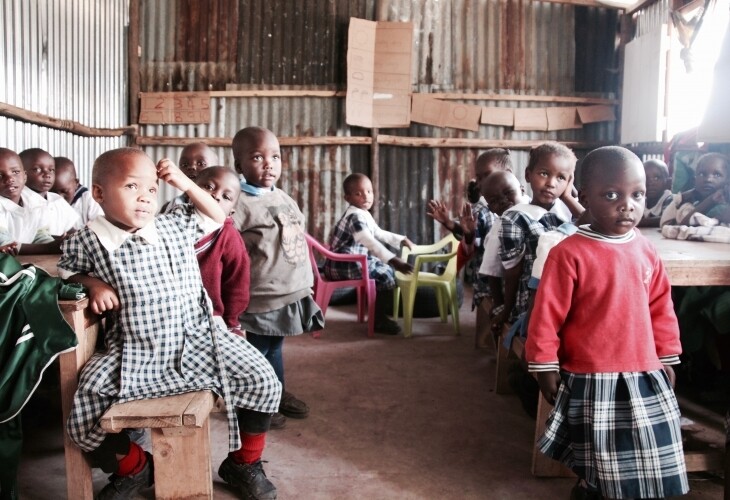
{"x":375,"y":171}
{"x":133,"y":62}
{"x":624,"y":38}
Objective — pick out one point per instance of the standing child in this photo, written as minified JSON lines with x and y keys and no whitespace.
{"x":222,"y":257}
{"x":23,"y":228}
{"x":357,"y":233}
{"x":194,"y":158}
{"x":603,"y":353}
{"x":40,"y":169}
{"x":658,"y":195}
{"x":142,"y":271}
{"x":550,"y":174}
{"x":272,"y":227}
{"x":67,"y":185}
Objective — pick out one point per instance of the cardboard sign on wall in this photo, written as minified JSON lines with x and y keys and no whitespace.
{"x":379,"y":74}
{"x":426,"y":109}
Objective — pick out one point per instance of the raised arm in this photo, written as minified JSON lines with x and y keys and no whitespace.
{"x":171,"y":174}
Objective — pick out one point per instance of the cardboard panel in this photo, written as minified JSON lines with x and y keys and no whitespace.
{"x":463,"y":116}
{"x":498,"y":116}
{"x":598,"y":113}
{"x":426,"y":109}
{"x":531,"y":119}
{"x":562,"y":118}
{"x":379,"y":73}
{"x":174,"y":107}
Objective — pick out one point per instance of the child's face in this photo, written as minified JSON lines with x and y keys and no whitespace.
{"x":224,"y":187}
{"x":128,"y":194}
{"x":711,"y":175}
{"x":361,"y":194}
{"x":65,"y":185}
{"x":260,"y":160}
{"x":483,"y":170}
{"x":615,"y":198}
{"x":12,"y":177}
{"x":656,"y":180}
{"x":195,"y":158}
{"x":548,"y":179}
{"x":41,"y":171}
{"x":502,"y":194}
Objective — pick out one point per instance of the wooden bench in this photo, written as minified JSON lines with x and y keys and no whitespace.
{"x":180,"y":430}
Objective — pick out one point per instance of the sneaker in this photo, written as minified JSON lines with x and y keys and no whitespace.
{"x":250,"y":478}
{"x":387,"y":326}
{"x":123,"y":487}
{"x":292,"y":407}
{"x":278,"y":421}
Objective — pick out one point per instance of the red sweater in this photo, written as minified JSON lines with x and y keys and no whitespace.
{"x":603,"y":305}
{"x":225,"y":269}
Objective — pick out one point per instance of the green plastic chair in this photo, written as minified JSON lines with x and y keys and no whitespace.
{"x":444,"y":284}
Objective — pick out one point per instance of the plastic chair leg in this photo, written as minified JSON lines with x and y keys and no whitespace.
{"x":442,"y":302}
{"x":396,"y":301}
{"x":371,"y":308}
{"x":455,"y":309}
{"x":409,"y":299}
{"x":361,"y":304}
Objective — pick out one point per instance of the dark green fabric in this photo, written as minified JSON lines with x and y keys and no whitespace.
{"x":700,"y":311}
{"x":11,"y":443}
{"x":72,"y":291}
{"x":32,"y":333}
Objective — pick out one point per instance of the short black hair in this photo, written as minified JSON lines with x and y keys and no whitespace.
{"x":658,"y":164}
{"x":351,"y":180}
{"x":246,"y":134}
{"x":500,"y":156}
{"x":63,"y":163}
{"x":107,"y":162}
{"x":603,"y":159}
{"x":714,"y":156}
{"x":29,"y":153}
{"x":209,"y":172}
{"x":549,"y":148}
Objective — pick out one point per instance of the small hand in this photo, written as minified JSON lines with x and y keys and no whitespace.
{"x":549,"y":383}
{"x":171,"y":174}
{"x":719,"y":195}
{"x":467,"y":221}
{"x":438,"y":211}
{"x":670,"y":374}
{"x":570,"y":190}
{"x":10,"y":248}
{"x":407,"y":243}
{"x":102,"y":297}
{"x":401,"y":265}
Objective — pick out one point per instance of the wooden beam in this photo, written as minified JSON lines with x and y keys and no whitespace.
{"x":450,"y":142}
{"x":375,"y":171}
{"x":24,"y":115}
{"x":327,"y":140}
{"x":588,"y":3}
{"x":278,"y":93}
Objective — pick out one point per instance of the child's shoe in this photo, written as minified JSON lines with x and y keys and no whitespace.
{"x":250,"y":478}
{"x":292,"y":407}
{"x":123,"y":487}
{"x":278,"y":421}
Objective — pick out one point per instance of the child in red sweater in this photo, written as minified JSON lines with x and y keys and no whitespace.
{"x":602,"y":340}
{"x":222,"y":256}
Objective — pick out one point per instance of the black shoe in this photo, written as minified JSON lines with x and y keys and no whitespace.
{"x":292,"y":407}
{"x":278,"y":421}
{"x":250,"y":478}
{"x":122,"y":487}
{"x":387,"y":326}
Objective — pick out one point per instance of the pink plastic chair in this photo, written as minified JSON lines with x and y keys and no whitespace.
{"x":323,"y":288}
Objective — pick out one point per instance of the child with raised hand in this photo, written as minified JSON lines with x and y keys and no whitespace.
{"x":272,"y":226}
{"x":710,"y":196}
{"x":162,"y":340}
{"x":222,"y":256}
{"x":40,"y":169}
{"x":23,"y":229}
{"x":357,"y":233}
{"x":194,"y":158}
{"x":550,"y":174}
{"x":658,"y":194}
{"x":603,"y":353}
{"x":67,"y":185}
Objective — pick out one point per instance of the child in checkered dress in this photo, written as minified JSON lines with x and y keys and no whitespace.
{"x":357,"y":233}
{"x":161,"y":339}
{"x":602,"y":339}
{"x":272,"y":227}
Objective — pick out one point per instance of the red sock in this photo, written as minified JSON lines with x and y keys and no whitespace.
{"x":133,"y":462}
{"x":252,"y":447}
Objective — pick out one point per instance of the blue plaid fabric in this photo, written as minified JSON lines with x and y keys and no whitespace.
{"x":485,"y":219}
{"x":343,"y":241}
{"x":518,"y":236}
{"x":620,"y":432}
{"x":163,"y":340}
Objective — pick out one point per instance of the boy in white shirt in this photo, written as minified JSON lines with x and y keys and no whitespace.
{"x":67,"y":185}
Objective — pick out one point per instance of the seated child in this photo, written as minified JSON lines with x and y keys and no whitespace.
{"x":272,"y":226}
{"x":23,"y":229}
{"x":67,"y":185}
{"x":603,"y":354}
{"x":550,"y":174}
{"x":658,"y":195}
{"x":357,"y":233}
{"x":40,"y":169}
{"x":709,"y":197}
{"x":141,"y":271}
{"x":193,"y":159}
{"x":222,"y":257}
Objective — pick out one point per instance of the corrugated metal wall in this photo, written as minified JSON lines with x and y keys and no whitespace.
{"x":66,"y":60}
{"x":505,"y":46}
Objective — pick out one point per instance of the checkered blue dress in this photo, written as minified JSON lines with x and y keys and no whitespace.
{"x":485,"y":220}
{"x":620,"y":432}
{"x":163,"y":340}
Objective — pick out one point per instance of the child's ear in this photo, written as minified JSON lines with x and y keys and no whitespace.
{"x":582,"y":198}
{"x":96,"y":193}
{"x":237,"y":166}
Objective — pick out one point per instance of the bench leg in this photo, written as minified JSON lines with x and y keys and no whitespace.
{"x":182,"y":463}
{"x":501,"y":385}
{"x":543,"y":466}
{"x":483,"y":332}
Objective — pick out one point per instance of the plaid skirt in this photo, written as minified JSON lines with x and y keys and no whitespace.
{"x":619,"y":432}
{"x":382,"y":273}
